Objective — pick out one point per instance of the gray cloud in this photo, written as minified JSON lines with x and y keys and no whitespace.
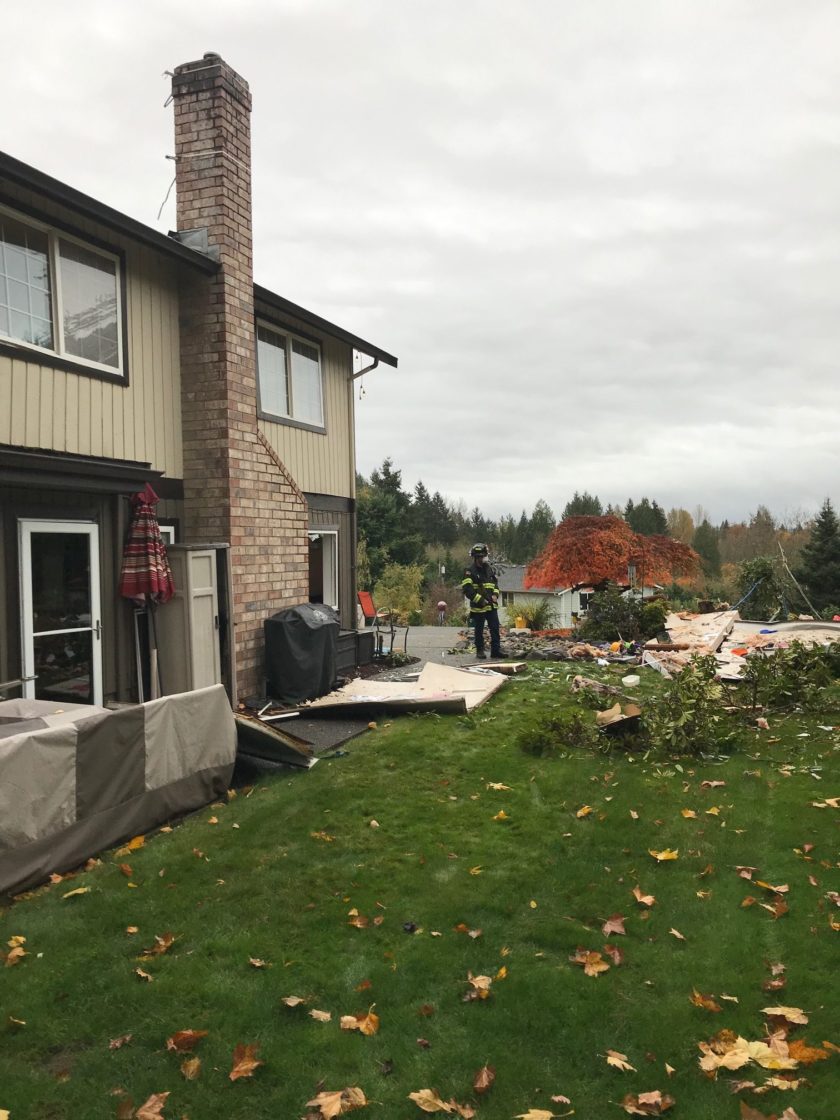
{"x":601,"y":237}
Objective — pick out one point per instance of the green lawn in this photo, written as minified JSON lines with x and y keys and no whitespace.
{"x":287,"y":866}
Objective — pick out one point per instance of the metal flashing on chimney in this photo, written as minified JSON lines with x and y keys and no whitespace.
{"x":197,"y":240}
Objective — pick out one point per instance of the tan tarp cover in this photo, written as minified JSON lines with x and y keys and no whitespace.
{"x":76,"y":779}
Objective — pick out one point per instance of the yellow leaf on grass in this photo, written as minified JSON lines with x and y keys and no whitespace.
{"x":498,"y":785}
{"x":78,"y":890}
{"x":476,"y":870}
{"x":190,"y":1068}
{"x":689,"y":814}
{"x":701,"y":1000}
{"x":584,"y":811}
{"x":714,"y":811}
{"x":501,"y":816}
{"x":245,"y":1060}
{"x":367,"y":1023}
{"x":135,"y":843}
{"x":665,"y":854}
{"x":619,"y":1061}
{"x":644,"y":899}
{"x":321,"y":1016}
{"x":336,"y":1103}
{"x":593,"y":963}
{"x":152,"y":1109}
{"x":535,"y":1114}
{"x":292,"y":1001}
{"x":791,"y":1014}
{"x":429,"y":1101}
{"x":676,"y":933}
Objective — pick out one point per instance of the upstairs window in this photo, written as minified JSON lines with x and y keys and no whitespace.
{"x":289,"y":370}
{"x":59,"y":295}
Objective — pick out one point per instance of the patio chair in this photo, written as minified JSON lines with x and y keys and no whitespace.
{"x":384,"y":623}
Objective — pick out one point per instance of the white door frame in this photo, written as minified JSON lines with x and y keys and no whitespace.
{"x":26,"y":527}
{"x":329,"y":569}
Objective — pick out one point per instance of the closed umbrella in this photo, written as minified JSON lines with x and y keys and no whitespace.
{"x":146,"y":578}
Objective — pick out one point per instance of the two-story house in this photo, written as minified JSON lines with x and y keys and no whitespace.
{"x":128,"y":356}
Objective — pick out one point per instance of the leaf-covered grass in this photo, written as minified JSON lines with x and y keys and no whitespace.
{"x":539,"y":884}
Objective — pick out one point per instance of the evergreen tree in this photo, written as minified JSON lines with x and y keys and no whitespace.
{"x":383,"y":517}
{"x":583,"y":505}
{"x":541,"y":527}
{"x":647,"y":518}
{"x":705,"y":544}
{"x":819,"y":569}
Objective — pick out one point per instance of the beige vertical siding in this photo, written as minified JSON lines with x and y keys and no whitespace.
{"x":321,"y":463}
{"x":53,"y":409}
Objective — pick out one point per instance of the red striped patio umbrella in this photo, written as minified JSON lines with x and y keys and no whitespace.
{"x":146,"y":578}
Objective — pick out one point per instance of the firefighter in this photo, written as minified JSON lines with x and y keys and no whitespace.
{"x":482,"y":595}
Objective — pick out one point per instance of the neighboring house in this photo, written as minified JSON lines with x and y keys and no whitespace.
{"x":568,"y":604}
{"x":127,"y":357}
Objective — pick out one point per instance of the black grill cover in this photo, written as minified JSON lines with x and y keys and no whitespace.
{"x":300,"y":652}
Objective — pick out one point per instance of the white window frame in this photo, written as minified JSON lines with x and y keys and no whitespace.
{"x":329,"y":575}
{"x":289,"y":337}
{"x":54,"y":237}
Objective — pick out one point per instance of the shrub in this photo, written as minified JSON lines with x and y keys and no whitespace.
{"x":688,"y":716}
{"x":613,"y":616}
{"x":538,"y":612}
{"x":791,"y":677}
{"x":551,"y":732}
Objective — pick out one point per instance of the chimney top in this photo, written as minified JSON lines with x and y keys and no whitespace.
{"x":208,"y":55}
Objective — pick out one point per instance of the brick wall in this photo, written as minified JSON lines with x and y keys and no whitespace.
{"x":236,"y":490}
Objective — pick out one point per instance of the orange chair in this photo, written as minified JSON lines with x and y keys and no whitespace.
{"x":384,"y":625}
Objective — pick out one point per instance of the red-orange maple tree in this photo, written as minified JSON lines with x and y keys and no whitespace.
{"x":596,"y":549}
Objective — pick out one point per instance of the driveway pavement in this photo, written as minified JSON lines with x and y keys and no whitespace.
{"x":432,"y":643}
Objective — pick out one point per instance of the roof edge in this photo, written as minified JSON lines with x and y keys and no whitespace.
{"x":22,"y":174}
{"x":280,"y":303}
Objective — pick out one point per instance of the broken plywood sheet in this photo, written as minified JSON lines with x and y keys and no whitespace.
{"x":439,"y":688}
{"x":747,"y":637}
{"x":702,"y":633}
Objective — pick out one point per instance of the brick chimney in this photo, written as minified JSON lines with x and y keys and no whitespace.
{"x":236,"y":490}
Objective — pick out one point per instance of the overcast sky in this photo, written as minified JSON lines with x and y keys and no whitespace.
{"x":601,"y":237}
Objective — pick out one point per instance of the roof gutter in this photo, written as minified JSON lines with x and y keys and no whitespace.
{"x":365,"y":369}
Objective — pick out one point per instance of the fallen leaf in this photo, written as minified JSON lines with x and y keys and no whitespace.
{"x":634,"y":815}
{"x":152,"y":1109}
{"x":429,"y":1101}
{"x":132,"y":929}
{"x":321,"y":1016}
{"x":245,"y":1060}
{"x":711,"y":785}
{"x":689,"y":814}
{"x":535,"y":1114}
{"x":501,"y":816}
{"x":614,"y":953}
{"x":143,"y":975}
{"x":367,"y":1023}
{"x":424,"y":1043}
{"x":619,"y":1061}
{"x":665,"y":854}
{"x":118,"y":1043}
{"x":647,"y":1104}
{"x":777,"y":908}
{"x":294,"y":1001}
{"x":163,"y":943}
{"x":746,"y":872}
{"x":614,"y":924}
{"x":498,"y":785}
{"x":476,"y":870}
{"x":791,"y":1014}
{"x":484,"y":1079}
{"x":676,"y":933}
{"x":190,"y":1068}
{"x":338,"y":1102}
{"x":78,"y":890}
{"x":593,"y":963}
{"x":704,"y":1001}
{"x":182,"y":1042}
{"x":255,"y":962}
{"x":783,"y":889}
{"x":584,"y":811}
{"x":669,"y":1070}
{"x":644,"y":899}
{"x":804,"y":1054}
